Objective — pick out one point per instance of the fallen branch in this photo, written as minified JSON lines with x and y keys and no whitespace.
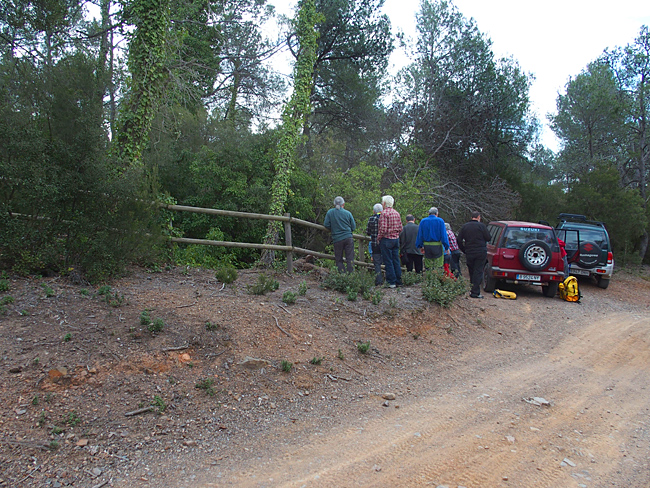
{"x":176,"y":348}
{"x":34,"y":445}
{"x":190,"y":305}
{"x":29,"y":475}
{"x":103,"y":483}
{"x":280,"y":306}
{"x":353,"y":369}
{"x":278,"y":326}
{"x":138,"y":411}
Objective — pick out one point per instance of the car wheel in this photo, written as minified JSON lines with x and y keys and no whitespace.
{"x":588,"y":254}
{"x":550,"y":290}
{"x":535,"y":255}
{"x":603,"y":282}
{"x":489,"y":282}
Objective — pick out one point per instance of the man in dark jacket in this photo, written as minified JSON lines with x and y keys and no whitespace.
{"x":412,"y":255}
{"x":472,"y":240}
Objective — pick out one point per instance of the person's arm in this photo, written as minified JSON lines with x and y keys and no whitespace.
{"x":445,"y":238}
{"x":327,"y":223}
{"x":353,"y":224}
{"x":419,"y":242}
{"x":460,"y":239}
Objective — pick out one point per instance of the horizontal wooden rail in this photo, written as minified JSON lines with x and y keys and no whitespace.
{"x":248,"y":215}
{"x":299,"y":250}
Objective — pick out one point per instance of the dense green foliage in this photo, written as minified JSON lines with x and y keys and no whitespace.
{"x":93,"y":134}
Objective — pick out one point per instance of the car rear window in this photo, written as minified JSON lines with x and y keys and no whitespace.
{"x":516,"y":237}
{"x":593,"y":235}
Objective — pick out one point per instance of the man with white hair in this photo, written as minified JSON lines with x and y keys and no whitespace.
{"x":372,"y":229}
{"x":390,"y":227}
{"x":433,"y":240}
{"x":341,"y":224}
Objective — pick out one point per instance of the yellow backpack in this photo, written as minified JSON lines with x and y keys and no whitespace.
{"x":569,"y":289}
{"x":511,"y":295}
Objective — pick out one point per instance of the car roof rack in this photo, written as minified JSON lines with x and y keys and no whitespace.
{"x":565,"y":217}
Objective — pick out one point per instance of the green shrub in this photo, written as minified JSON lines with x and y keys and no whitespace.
{"x":286,"y":366}
{"x":104,"y":290}
{"x":8,"y":300}
{"x":206,"y":385}
{"x":363,"y":347}
{"x":72,"y":419}
{"x":209,"y":326}
{"x":289,"y":297}
{"x":264,"y":284}
{"x":441,"y":289}
{"x":226,"y":274}
{"x":145,"y":318}
{"x":410,"y":278}
{"x":159,"y":404}
{"x":315,"y":361}
{"x":4,"y":285}
{"x":358,"y":281}
{"x":49,"y":292}
{"x":67,"y":337}
{"x":376,"y":297}
{"x":352,"y":294}
{"x":156,"y":326}
{"x":302,"y":288}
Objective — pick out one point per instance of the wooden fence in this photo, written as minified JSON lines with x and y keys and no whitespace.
{"x":288,"y":248}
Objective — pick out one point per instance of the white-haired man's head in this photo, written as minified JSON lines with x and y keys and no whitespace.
{"x":387,"y":201}
{"x":433,"y":211}
{"x":339,"y":202}
{"x":377,"y":208}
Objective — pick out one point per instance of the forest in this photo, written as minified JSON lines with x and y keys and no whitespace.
{"x":109,"y":108}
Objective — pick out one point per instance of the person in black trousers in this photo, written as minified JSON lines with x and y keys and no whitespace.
{"x":472,"y":240}
{"x":412,"y":257}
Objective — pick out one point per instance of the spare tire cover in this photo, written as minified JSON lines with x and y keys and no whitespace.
{"x":588,"y":254}
{"x":535,"y":255}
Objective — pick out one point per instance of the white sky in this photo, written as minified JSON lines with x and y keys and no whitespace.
{"x":554,"y":40}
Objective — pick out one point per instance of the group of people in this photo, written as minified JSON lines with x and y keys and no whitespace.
{"x":429,"y":245}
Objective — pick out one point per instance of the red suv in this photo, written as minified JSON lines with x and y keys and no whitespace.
{"x":523,"y":252}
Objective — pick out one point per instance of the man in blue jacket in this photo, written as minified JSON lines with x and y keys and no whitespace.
{"x":432,"y":240}
{"x":341,"y":224}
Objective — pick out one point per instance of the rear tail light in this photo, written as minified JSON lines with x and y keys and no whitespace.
{"x":610,"y":258}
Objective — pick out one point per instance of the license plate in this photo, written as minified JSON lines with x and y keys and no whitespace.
{"x":523,"y":277}
{"x":581,"y":272}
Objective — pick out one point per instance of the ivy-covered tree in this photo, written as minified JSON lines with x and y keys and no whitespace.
{"x":293,"y":117}
{"x":352,"y":52}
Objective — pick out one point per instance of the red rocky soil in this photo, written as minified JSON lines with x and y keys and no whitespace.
{"x":444,"y":397}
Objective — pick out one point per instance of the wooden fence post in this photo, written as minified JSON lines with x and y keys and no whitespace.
{"x":362,"y":250}
{"x":287,"y":242}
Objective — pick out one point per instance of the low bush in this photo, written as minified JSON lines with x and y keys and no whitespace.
{"x":264,"y":284}
{"x":226,"y":274}
{"x":358,"y":281}
{"x":289,"y":297}
{"x":441,"y":289}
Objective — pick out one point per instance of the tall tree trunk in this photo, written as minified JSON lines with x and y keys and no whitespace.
{"x":293,"y":117}
{"x":147,"y":63}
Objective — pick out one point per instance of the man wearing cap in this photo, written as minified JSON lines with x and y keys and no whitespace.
{"x":472,"y":240}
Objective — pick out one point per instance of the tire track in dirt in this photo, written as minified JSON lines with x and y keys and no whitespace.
{"x":457,"y":434}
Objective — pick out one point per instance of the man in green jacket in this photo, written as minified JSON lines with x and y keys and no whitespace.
{"x":341,"y":224}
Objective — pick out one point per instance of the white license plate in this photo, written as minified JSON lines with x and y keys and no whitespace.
{"x":523,"y":277}
{"x":581,"y":272}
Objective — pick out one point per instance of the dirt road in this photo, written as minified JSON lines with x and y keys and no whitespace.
{"x":470,"y":387}
{"x":463,"y":420}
